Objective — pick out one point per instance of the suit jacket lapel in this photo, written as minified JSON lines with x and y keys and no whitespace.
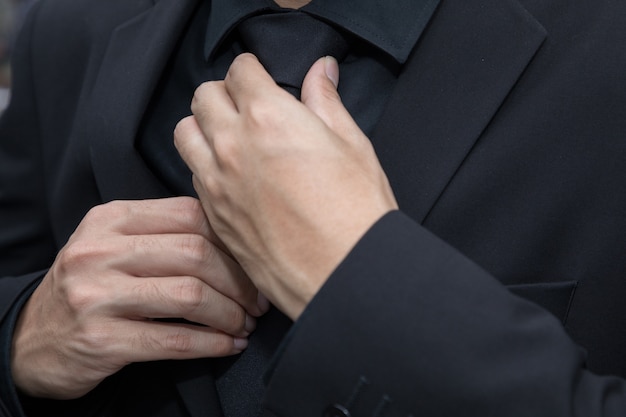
{"x":467,"y":61}
{"x":134,"y":60}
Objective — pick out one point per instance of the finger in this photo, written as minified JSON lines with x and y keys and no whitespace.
{"x":143,"y":217}
{"x":187,"y":298}
{"x":182,"y":255}
{"x":213,"y":107}
{"x":145,"y":341}
{"x":194,"y":146}
{"x":319,"y":94}
{"x":247,"y":82}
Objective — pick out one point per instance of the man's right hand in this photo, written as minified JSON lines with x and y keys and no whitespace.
{"x":127,"y":264}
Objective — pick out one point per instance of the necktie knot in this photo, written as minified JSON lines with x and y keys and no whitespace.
{"x":288,"y":43}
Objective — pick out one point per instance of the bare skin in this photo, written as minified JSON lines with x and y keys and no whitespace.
{"x":128,"y":263}
{"x":288,"y":186}
{"x":292,"y":4}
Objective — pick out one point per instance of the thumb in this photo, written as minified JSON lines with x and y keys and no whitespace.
{"x":319,"y":94}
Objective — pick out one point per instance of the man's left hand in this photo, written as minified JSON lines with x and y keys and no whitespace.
{"x":288,"y":186}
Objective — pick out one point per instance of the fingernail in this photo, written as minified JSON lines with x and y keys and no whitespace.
{"x":240,"y":343}
{"x":263,"y":303}
{"x":250,"y":323}
{"x":332,"y":70}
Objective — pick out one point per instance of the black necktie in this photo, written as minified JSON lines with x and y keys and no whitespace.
{"x":288,"y":43}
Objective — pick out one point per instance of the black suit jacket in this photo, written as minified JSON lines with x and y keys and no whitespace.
{"x":504,"y":143}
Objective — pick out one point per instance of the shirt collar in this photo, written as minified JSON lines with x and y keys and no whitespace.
{"x":394,"y":29}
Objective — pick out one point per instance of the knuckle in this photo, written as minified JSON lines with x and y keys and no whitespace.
{"x":72,"y":254}
{"x":77,"y":254}
{"x":226,"y":149}
{"x":212,"y":186}
{"x":190,"y":293}
{"x":262,"y":115}
{"x":181,"y":130}
{"x":221,"y":345}
{"x":203,"y":93}
{"x":191,"y":211}
{"x":95,"y":214}
{"x":109,"y":216}
{"x":73,"y":275}
{"x":246,"y":60}
{"x":236,"y":321}
{"x":189,"y":205}
{"x":203,"y":88}
{"x":180,"y":341}
{"x":105,"y":216}
{"x":97,"y":339}
{"x":199,"y":93}
{"x":116,"y":208}
{"x":143,"y":243}
{"x":267,"y":122}
{"x":196,"y":215}
{"x":238,"y":64}
{"x":79,"y":297}
{"x":194,"y":249}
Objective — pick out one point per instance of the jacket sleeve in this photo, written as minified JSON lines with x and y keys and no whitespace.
{"x":26,"y":243}
{"x":407,"y":326}
{"x":10,"y":402}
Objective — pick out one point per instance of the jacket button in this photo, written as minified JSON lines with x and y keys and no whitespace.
{"x":337,"y":410}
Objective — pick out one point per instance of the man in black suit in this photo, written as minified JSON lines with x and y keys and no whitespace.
{"x":499,"y":129}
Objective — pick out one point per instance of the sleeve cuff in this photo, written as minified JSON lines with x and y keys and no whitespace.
{"x":8,"y":393}
{"x":408,"y":325}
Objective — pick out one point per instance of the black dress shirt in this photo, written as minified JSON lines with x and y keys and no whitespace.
{"x":384,"y":36}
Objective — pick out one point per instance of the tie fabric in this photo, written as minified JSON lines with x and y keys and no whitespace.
{"x":288,"y":43}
